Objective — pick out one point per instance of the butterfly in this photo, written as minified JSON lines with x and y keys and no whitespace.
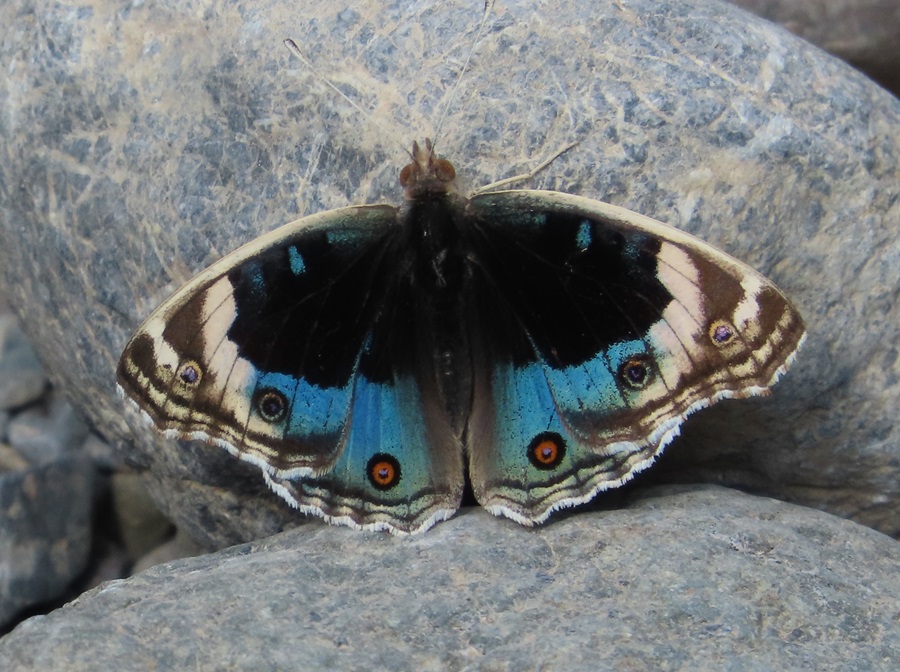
{"x":371,"y":359}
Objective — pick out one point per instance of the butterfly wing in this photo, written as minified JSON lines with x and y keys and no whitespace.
{"x":296,"y":353}
{"x":600,"y":331}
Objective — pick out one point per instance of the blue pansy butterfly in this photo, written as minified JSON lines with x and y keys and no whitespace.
{"x":369,"y":359}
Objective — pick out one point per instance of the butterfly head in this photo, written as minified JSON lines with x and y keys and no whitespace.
{"x":426,"y":175}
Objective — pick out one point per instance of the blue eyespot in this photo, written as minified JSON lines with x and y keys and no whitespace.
{"x":271,"y":404}
{"x":721,"y":333}
{"x":189,"y":373}
{"x":636,"y":371}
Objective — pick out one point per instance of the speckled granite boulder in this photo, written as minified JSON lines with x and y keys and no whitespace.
{"x":142,"y":142}
{"x":697,"y":579}
{"x":865,"y":33}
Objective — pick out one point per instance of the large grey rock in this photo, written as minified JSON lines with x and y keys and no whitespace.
{"x":45,"y":531}
{"x":865,"y":33}
{"x":144,"y":141}
{"x":699,"y":579}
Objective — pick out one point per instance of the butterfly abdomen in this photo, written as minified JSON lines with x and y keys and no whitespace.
{"x":440,"y":276}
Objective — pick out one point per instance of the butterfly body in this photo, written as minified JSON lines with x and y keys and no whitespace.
{"x":368,"y":358}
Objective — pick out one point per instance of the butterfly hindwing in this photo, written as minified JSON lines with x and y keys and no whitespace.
{"x":390,"y":475}
{"x":602,"y":330}
{"x":401,"y":466}
{"x":297,"y":353}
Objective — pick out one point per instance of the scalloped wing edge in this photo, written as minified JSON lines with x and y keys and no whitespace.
{"x":270,"y":473}
{"x":347,"y":521}
{"x":661,"y":437}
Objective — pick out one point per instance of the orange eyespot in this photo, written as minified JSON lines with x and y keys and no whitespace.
{"x":383,"y":471}
{"x":546,"y":450}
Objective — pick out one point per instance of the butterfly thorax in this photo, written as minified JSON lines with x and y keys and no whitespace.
{"x":432,"y":219}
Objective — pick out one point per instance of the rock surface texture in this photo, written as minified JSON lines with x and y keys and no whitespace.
{"x":865,"y":33}
{"x":145,"y":141}
{"x":682,"y":579}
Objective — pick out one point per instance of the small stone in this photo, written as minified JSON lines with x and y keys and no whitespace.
{"x":22,"y":377}
{"x":113,"y":563}
{"x":43,"y":433}
{"x":141,"y":524}
{"x":11,"y":459}
{"x":179,"y":546}
{"x":45,"y":532}
{"x":103,"y":454}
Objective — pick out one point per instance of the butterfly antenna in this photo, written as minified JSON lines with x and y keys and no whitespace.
{"x":488,"y":8}
{"x":525,"y":176}
{"x":295,"y":50}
